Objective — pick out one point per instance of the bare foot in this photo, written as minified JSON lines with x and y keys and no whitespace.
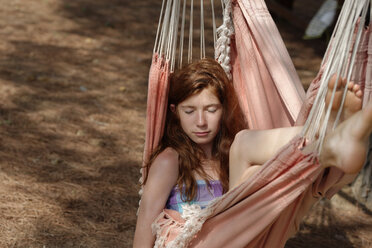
{"x":346,"y":147}
{"x":353,"y":100}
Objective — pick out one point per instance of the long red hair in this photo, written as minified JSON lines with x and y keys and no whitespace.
{"x":186,"y":82}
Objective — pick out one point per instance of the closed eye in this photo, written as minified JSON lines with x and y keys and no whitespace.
{"x":188,"y":111}
{"x":212,"y":109}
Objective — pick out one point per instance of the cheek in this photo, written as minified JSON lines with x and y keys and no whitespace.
{"x":217,"y":120}
{"x":185,"y":122}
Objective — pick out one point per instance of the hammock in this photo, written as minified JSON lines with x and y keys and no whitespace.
{"x":274,"y":96}
{"x":264,"y":211}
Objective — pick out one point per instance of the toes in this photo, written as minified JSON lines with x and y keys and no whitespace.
{"x":357,"y":90}
{"x":359,"y":93}
{"x":356,"y":87}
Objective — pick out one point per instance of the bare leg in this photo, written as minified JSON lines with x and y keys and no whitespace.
{"x":353,"y":103}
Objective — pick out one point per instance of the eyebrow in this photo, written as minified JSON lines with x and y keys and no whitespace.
{"x":207,"y":106}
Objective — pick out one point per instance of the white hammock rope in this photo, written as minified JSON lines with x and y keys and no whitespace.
{"x":180,"y":55}
{"x":202,"y":38}
{"x":172,"y":31}
{"x":172,"y":26}
{"x":223,"y":6}
{"x":189,"y":59}
{"x":164,"y":30}
{"x":340,"y":70}
{"x":214,"y":25}
{"x":158,"y":30}
{"x":349,"y":69}
{"x":175,"y":20}
{"x":340,"y":59}
{"x":224,"y":32}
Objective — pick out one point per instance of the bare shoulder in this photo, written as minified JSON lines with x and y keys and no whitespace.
{"x":166,"y":163}
{"x":168,"y":157}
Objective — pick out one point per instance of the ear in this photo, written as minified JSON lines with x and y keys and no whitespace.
{"x":173,"y":108}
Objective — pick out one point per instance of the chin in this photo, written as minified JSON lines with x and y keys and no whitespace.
{"x":203,"y":142}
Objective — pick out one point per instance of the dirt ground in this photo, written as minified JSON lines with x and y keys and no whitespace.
{"x":73,"y":88}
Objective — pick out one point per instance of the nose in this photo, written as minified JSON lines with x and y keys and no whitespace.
{"x":202,"y":120}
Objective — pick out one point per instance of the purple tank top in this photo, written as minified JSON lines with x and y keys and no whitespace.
{"x":203,"y":197}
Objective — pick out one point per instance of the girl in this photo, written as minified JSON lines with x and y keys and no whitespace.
{"x":190,"y":165}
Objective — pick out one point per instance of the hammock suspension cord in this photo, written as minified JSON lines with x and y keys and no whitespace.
{"x":172,"y":25}
{"x":339,"y":59}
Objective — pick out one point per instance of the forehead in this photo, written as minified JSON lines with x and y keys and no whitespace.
{"x":205,"y":97}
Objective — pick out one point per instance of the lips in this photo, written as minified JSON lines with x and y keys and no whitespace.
{"x":201,"y":134}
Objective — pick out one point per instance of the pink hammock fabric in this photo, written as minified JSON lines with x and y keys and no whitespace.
{"x":261,"y":212}
{"x":368,"y":79}
{"x":270,"y":92}
{"x":362,"y":73}
{"x":158,"y":86}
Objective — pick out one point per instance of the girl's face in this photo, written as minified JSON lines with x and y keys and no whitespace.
{"x":200,"y":116}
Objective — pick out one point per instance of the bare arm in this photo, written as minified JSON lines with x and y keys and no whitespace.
{"x":252,"y":148}
{"x":162,"y":178}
